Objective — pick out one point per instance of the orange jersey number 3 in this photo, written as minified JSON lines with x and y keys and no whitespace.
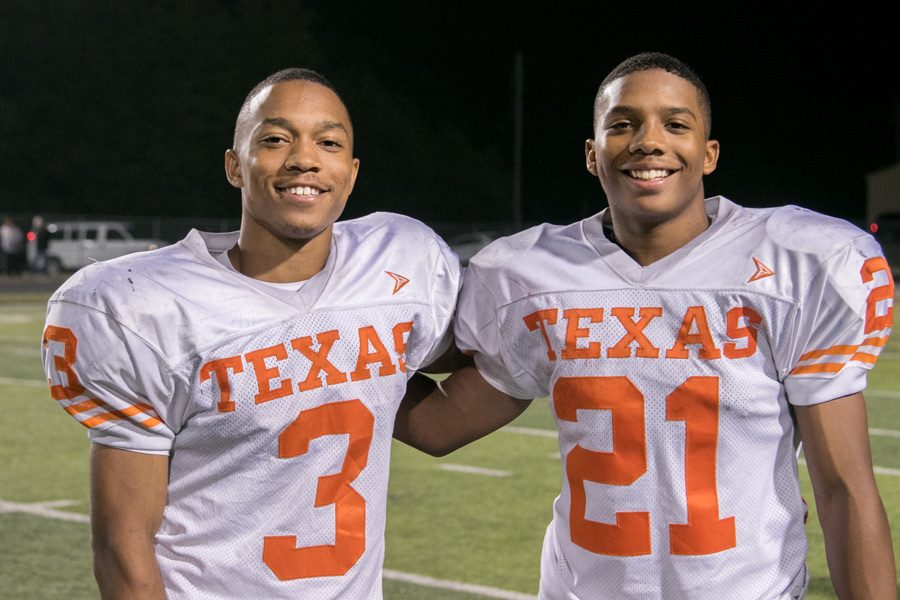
{"x":280,"y":553}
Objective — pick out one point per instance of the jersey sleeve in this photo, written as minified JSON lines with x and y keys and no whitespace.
{"x":477,"y":331}
{"x":108,"y":379}
{"x":844,"y":321}
{"x":445,"y":281}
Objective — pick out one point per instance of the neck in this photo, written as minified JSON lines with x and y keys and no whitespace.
{"x":274,"y":259}
{"x":648,"y":243}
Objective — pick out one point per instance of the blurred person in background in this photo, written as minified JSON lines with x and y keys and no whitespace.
{"x":12,"y":243}
{"x":38,"y":239}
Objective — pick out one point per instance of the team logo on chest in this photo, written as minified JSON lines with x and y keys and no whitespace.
{"x":399,"y":281}
{"x":762,"y":271}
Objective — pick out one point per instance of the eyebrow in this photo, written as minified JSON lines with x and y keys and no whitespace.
{"x":629,"y":110}
{"x":333,"y":125}
{"x":281,"y":122}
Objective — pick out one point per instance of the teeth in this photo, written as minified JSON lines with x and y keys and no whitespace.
{"x":303,"y":191}
{"x":649,"y":174}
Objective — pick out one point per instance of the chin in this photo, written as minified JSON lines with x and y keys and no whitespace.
{"x":302,"y":232}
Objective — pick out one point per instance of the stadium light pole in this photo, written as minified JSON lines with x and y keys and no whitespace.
{"x":518,"y":79}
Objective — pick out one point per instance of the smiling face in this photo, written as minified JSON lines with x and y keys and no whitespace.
{"x":293,"y":161}
{"x":650,"y":150}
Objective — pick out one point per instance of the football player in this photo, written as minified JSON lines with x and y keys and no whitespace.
{"x":240,"y":389}
{"x":681,"y":341}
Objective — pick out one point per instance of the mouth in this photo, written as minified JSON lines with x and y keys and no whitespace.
{"x":301,"y":191}
{"x":648,"y":174}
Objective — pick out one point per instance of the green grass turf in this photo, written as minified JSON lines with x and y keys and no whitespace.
{"x":444,"y":524}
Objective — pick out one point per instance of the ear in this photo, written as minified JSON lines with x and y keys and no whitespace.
{"x":233,"y":169}
{"x":354,"y":174}
{"x":590,"y":156}
{"x":711,"y":159}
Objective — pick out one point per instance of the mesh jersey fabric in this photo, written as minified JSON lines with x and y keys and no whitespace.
{"x":671,"y":384}
{"x":276,"y":406}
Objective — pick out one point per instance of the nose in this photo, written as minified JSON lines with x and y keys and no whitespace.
{"x":649,"y":139}
{"x":303,"y":156}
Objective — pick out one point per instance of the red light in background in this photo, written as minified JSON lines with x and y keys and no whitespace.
{"x":873,"y":227}
{"x":31,"y":236}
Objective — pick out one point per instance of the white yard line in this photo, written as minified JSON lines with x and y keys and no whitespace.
{"x":886,"y":471}
{"x":44,"y":509}
{"x":531,"y":431}
{"x":456,"y":586}
{"x":473,"y":470}
{"x":884,"y":432}
{"x":19,"y":318}
{"x":23,"y":382}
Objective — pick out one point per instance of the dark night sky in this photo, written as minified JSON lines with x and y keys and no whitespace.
{"x":126,"y":110}
{"x":803,"y":106}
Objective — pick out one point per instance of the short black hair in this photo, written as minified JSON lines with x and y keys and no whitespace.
{"x":646,"y":61}
{"x":290,"y":74}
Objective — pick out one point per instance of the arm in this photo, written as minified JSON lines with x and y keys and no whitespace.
{"x":448,"y":362}
{"x":857,"y":536}
{"x":438,"y":420}
{"x":128,"y":494}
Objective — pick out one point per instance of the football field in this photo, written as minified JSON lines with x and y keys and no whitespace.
{"x":467,"y":526}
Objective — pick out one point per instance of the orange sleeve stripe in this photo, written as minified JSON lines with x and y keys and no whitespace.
{"x":865,"y":357}
{"x":131,"y":411}
{"x":96,"y":420}
{"x":820,"y":368}
{"x":830,"y":352}
{"x":79,"y":407}
{"x":877,"y":342}
{"x":113,"y":414}
{"x":832,"y":367}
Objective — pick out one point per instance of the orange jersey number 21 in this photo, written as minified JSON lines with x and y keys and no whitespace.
{"x":696,"y":402}
{"x":280,"y":553}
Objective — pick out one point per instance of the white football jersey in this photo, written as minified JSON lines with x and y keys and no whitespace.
{"x":277,"y":407}
{"x":671,"y":386}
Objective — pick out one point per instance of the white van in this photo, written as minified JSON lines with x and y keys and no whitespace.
{"x":75,"y":244}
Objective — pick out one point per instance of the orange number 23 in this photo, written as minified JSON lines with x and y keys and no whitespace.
{"x":696,"y":402}
{"x":280,"y":553}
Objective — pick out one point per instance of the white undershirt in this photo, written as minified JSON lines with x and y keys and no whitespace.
{"x":293,"y":286}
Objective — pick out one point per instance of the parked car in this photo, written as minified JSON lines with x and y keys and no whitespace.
{"x":467,"y":245}
{"x":75,"y":244}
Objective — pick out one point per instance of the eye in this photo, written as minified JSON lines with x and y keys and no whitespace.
{"x":273,"y":140}
{"x":678,"y":126}
{"x":330,"y":144}
{"x":621,"y":125}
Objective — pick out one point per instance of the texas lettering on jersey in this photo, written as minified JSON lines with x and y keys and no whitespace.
{"x":742,"y":323}
{"x":313,"y":352}
{"x":310,"y":353}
